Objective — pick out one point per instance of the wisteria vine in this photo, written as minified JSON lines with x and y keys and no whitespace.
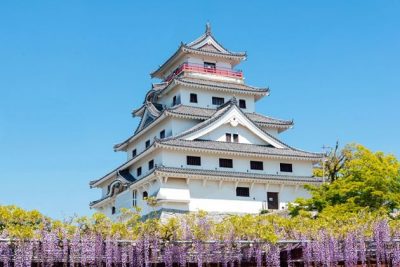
{"x":92,"y":249}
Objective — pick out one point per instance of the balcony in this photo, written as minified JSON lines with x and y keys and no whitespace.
{"x":199,"y":68}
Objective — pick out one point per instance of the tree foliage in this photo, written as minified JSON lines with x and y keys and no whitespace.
{"x":364,"y":180}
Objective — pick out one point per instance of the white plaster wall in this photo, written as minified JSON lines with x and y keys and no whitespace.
{"x":140,"y":143}
{"x":212,"y":198}
{"x":245,"y":135}
{"x":240,"y":164}
{"x":143,"y":162}
{"x":204,"y":98}
{"x":181,"y":125}
{"x":224,"y":199}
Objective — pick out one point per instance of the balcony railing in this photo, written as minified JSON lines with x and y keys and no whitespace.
{"x":198,"y":68}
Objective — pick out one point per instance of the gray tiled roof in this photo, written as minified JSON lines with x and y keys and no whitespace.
{"x":217,"y":84}
{"x":210,"y":115}
{"x":205,"y":113}
{"x":241,"y":148}
{"x":235,"y":174}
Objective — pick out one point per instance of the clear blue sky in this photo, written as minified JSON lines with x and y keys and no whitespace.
{"x":72,"y":71}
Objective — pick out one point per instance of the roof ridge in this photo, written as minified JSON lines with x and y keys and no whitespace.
{"x":200,"y":80}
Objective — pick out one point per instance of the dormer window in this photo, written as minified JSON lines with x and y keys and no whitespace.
{"x":193,"y":98}
{"x":242,"y":103}
{"x":217,"y":100}
{"x":209,"y":65}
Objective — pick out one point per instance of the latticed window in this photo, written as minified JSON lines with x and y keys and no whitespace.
{"x":235,"y":138}
{"x":191,"y":160}
{"x":217,"y":100}
{"x":242,"y":103}
{"x":226,"y":163}
{"x":228,"y":137}
{"x":162,"y":134}
{"x":286,"y":167}
{"x":151,"y":164}
{"x":256,"y":165}
{"x":242,"y":191}
{"x":193,"y":98}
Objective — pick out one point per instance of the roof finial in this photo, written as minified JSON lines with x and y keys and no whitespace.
{"x":208,"y":28}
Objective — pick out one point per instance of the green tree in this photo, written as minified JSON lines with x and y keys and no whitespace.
{"x":367,"y":180}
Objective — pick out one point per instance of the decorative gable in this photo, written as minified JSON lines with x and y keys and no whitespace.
{"x":231,"y":117}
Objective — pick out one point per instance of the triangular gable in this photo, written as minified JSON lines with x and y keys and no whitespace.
{"x":207,"y":41}
{"x":234,"y":116}
{"x":146,"y":119}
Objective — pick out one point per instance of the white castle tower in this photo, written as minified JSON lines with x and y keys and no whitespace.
{"x":200,"y":145}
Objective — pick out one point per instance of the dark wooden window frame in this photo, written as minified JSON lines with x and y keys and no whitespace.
{"x":151,"y":164}
{"x":226,"y":163}
{"x":162,"y":134}
{"x":256,"y":165}
{"x":242,"y":103}
{"x":235,"y":138}
{"x":228,"y":137}
{"x":193,"y":160}
{"x":286,"y":167}
{"x":193,"y":98}
{"x":242,"y":191}
{"x":218,"y":100}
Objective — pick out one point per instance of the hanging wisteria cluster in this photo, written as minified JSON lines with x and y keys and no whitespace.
{"x":93,"y":249}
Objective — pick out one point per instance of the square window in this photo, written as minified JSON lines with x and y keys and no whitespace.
{"x":228,"y":137}
{"x":217,"y":100}
{"x":191,"y":160}
{"x":235,"y":138}
{"x":151,"y":164}
{"x":242,"y":191}
{"x":256,"y":165}
{"x":226,"y":163}
{"x":139,"y":171}
{"x":286,"y":167}
{"x":193,"y":98}
{"x":147,"y":143}
{"x":242,"y":103}
{"x":162,"y":134}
